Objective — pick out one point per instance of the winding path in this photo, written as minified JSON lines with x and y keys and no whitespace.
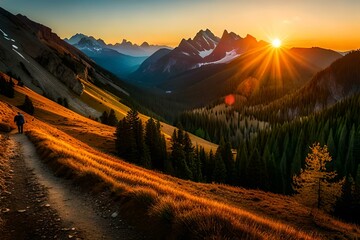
{"x":75,"y":208}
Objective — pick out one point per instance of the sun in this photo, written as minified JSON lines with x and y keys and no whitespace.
{"x":276,"y":43}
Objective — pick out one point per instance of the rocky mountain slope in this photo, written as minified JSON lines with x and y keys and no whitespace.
{"x":188,"y":55}
{"x":45,"y":63}
{"x":260,"y":75}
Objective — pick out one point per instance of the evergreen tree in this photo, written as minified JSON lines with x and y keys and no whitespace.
{"x":204,"y":162}
{"x":178,"y":157}
{"x":349,"y":161}
{"x":156,"y":144}
{"x":125,"y":139}
{"x":255,"y":173}
{"x":130,"y":140}
{"x":197,"y":171}
{"x":66,"y":103}
{"x":219,"y":171}
{"x":189,"y":155}
{"x":296,"y":162}
{"x":112,"y":119}
{"x":28,"y":106}
{"x":7,"y":87}
{"x":241,"y":164}
{"x":104,"y":118}
{"x":60,"y":101}
{"x":346,"y":204}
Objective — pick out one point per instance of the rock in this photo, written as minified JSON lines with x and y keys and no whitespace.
{"x":21,"y":210}
{"x":5,"y":210}
{"x":114,"y":215}
{"x":47,"y":205}
{"x":4,"y":127}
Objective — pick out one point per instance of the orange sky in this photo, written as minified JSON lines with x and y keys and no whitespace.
{"x":304,"y":23}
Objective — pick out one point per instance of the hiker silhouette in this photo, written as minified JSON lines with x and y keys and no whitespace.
{"x":19,"y":119}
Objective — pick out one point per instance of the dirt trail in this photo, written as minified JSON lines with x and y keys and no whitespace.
{"x":54,"y":209}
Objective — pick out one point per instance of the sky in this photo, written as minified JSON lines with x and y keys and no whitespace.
{"x":331,"y":24}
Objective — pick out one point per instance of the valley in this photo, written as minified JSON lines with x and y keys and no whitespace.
{"x":212,"y":137}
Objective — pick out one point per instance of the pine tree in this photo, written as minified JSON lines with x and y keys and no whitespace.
{"x":349,"y":161}
{"x":104,"y":118}
{"x":66,"y":103}
{"x":112,"y":119}
{"x":125,"y":139}
{"x":204,"y":162}
{"x":28,"y":106}
{"x":296,"y":162}
{"x":178,"y":158}
{"x":130,"y":140}
{"x":219,"y":171}
{"x":189,"y":155}
{"x":255,"y":173}
{"x":7,"y":87}
{"x":242,"y":164}
{"x":331,"y":146}
{"x":345,"y":205}
{"x":156,"y":144}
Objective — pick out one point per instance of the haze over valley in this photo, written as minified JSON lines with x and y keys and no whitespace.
{"x":157,"y":121}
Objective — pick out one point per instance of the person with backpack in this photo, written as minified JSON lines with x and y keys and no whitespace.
{"x":19,"y":119}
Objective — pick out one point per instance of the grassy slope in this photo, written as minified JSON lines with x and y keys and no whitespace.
{"x":175,"y":207}
{"x":102,"y":100}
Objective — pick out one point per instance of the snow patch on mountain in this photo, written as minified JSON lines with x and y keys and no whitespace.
{"x":5,"y":35}
{"x":205,"y":53}
{"x":228,"y":58}
{"x":20,"y":55}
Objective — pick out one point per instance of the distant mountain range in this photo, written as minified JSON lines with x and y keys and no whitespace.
{"x":204,"y":49}
{"x":119,"y":64}
{"x":125,"y":47}
{"x":197,"y":72}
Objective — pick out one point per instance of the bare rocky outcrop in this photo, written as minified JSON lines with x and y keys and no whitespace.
{"x":54,"y":65}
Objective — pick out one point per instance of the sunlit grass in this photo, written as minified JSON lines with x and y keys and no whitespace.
{"x":190,"y":210}
{"x":186,"y":210}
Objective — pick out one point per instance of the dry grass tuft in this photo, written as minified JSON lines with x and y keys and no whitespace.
{"x":144,"y":196}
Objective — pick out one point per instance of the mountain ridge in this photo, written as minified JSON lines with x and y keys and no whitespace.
{"x":125,"y":47}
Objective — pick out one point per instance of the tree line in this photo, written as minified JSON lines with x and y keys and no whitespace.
{"x":269,"y":160}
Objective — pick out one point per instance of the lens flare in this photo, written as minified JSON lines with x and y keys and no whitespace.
{"x":229,"y":100}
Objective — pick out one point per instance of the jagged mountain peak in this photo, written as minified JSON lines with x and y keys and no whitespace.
{"x":145,"y":44}
{"x":102,"y":42}
{"x":88,"y":42}
{"x":229,"y":36}
{"x":248,"y":36}
{"x":125,"y":47}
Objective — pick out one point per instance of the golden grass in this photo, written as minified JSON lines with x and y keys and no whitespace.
{"x":93,"y":133}
{"x":188,"y":214}
{"x":177,"y":208}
